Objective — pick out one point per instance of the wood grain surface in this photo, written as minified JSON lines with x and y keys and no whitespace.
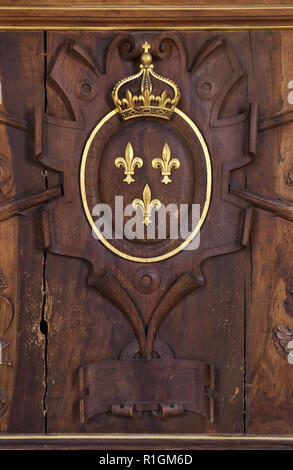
{"x":67,"y":301}
{"x":151,"y":14}
{"x":269,"y":379}
{"x":22,"y":250}
{"x":103,"y":328}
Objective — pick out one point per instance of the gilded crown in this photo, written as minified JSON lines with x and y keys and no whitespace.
{"x":146,"y":103}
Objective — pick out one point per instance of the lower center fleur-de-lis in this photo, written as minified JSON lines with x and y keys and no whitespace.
{"x":146,"y":204}
{"x":129,"y":162}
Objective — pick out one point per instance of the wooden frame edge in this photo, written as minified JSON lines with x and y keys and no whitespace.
{"x":94,"y":17}
{"x":225,"y":18}
{"x":145,"y":28}
{"x":143,"y":441}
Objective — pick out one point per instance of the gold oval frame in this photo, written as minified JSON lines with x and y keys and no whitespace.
{"x":205,"y":208}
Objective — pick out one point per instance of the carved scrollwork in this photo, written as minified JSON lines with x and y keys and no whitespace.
{"x":163,"y":44}
{"x":6,"y":177}
{"x":3,"y":402}
{"x":283,"y":339}
{"x":289,"y":179}
{"x":126,"y":44}
{"x":129,"y":48}
{"x":3,"y":281}
{"x":288,"y":302}
{"x":6,"y":316}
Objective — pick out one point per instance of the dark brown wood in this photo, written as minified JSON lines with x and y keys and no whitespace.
{"x":22,"y":255}
{"x":184,"y":285}
{"x":136,"y":387}
{"x":199,"y":343}
{"x":81,"y":442}
{"x":169,"y":313}
{"x":276,"y":121}
{"x":114,"y":292}
{"x":281,"y":208}
{"x":153,"y":14}
{"x":283,"y":336}
{"x":269,"y":392}
{"x":10,"y":208}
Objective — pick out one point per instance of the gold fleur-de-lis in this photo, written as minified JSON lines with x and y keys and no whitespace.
{"x":128,"y":162}
{"x":146,"y":204}
{"x":166,"y":164}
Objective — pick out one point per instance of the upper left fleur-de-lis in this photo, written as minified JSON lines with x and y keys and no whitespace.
{"x":129,"y":162}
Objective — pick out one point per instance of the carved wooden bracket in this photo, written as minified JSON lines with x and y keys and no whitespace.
{"x":280,"y":207}
{"x":19,"y":205}
{"x":136,"y":386}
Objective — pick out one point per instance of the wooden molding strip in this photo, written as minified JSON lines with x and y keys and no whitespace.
{"x":117,"y":28}
{"x":145,"y":441}
{"x":146,"y":6}
{"x":146,"y":17}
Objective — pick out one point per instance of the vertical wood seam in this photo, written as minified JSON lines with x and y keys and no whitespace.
{"x":44,"y":323}
{"x":245,"y":359}
{"x":247,"y":289}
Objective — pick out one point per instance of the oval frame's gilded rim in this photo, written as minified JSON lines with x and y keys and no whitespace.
{"x":205,"y":208}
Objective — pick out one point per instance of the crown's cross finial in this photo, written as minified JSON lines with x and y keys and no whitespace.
{"x":146,"y":46}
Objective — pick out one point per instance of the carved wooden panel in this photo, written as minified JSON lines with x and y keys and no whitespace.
{"x":76,"y":104}
{"x":145,"y":336}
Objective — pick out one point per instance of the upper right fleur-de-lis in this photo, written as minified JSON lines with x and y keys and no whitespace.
{"x":128,"y":162}
{"x":166,"y":164}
